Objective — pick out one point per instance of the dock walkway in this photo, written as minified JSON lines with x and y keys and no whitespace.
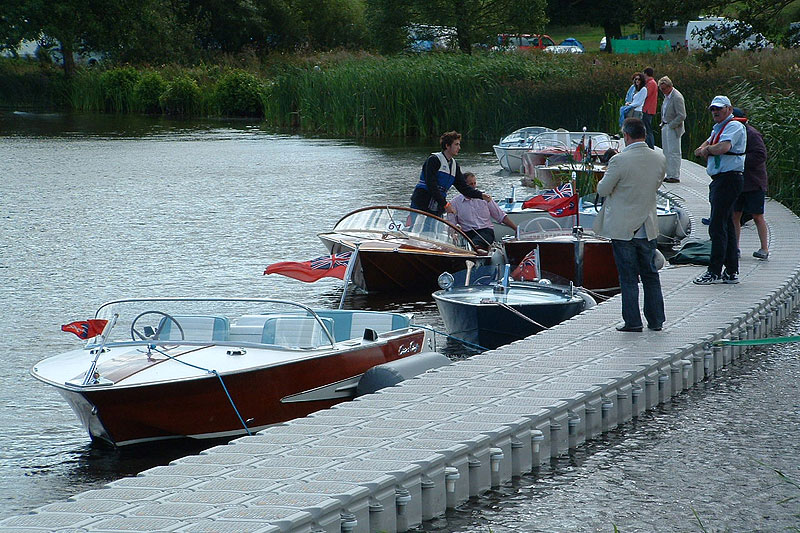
{"x":388,"y":461}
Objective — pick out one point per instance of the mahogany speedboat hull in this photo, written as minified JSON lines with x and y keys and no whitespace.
{"x":253,"y":371}
{"x":400,"y":249}
{"x":557,"y":259}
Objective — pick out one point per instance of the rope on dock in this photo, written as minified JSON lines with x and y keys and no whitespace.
{"x":756,"y":342}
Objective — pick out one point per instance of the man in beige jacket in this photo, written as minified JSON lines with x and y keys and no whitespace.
{"x":673,"y":113}
{"x":629,"y":219}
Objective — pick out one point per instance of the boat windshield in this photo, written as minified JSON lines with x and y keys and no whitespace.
{"x":404,"y":223}
{"x":523,"y":136}
{"x":569,"y":140}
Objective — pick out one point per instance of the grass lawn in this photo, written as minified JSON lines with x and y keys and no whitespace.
{"x":589,"y":35}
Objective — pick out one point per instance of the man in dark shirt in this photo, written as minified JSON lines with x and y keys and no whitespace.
{"x":439,"y":173}
{"x":751,"y":200}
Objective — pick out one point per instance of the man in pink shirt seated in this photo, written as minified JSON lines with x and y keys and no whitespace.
{"x":474,"y":216}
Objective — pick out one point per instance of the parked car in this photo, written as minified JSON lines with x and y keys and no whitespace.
{"x":524,"y":41}
{"x":564,"y":49}
{"x":572,"y":41}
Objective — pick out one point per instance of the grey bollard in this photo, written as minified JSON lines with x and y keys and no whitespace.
{"x":608,"y":415}
{"x":521,"y":454}
{"x":637,"y":400}
{"x":688,"y":370}
{"x":496,"y":456}
{"x":536,"y":448}
{"x":451,"y":477}
{"x":624,"y":404}
{"x":402,"y":499}
{"x":377,"y":516}
{"x":593,"y":416}
{"x":349,"y":522}
{"x":664,"y":388}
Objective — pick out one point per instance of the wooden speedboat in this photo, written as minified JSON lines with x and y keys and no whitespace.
{"x":399,"y":248}
{"x":497,"y":314}
{"x":511,"y":147}
{"x":558,"y":249}
{"x":211,"y":368}
{"x":673,"y":222}
{"x":564,"y":147}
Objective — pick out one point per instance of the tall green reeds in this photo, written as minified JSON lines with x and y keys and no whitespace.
{"x":405,"y":95}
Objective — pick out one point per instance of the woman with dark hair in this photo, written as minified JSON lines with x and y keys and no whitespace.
{"x":439,"y":173}
{"x":639,"y":96}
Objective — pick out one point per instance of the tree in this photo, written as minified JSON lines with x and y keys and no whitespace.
{"x":474,"y":21}
{"x":610,"y":14}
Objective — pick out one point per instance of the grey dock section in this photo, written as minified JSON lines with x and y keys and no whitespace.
{"x":391,"y":460}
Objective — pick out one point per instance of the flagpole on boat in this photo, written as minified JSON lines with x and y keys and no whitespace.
{"x":349,"y":273}
{"x":577,"y":233}
{"x":90,"y":377}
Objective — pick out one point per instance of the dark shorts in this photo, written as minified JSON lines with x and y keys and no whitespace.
{"x":751,"y":202}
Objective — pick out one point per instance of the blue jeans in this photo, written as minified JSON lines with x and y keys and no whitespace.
{"x":636,"y":260}
{"x":722,"y":193}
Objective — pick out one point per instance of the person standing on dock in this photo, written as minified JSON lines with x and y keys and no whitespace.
{"x":629,"y":219}
{"x":439,"y":173}
{"x":475,"y":215}
{"x":724,"y":151}
{"x":754,"y":190}
{"x":649,"y":108}
{"x":673,"y":113}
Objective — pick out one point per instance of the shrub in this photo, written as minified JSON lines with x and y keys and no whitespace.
{"x":240,"y":94}
{"x":147,"y":92}
{"x":182,"y":97}
{"x":117,"y":88}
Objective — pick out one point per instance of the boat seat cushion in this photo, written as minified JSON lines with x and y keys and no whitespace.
{"x":195,"y":328}
{"x":296,"y":331}
{"x":379,"y":322}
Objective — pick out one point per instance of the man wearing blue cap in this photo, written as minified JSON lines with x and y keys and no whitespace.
{"x":724,"y":151}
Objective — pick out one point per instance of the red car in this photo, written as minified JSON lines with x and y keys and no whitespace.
{"x":525,"y":41}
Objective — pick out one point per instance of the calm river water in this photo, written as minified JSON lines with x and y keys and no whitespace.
{"x":96,"y":208}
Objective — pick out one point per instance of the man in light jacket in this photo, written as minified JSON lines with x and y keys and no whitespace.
{"x":629,"y":219}
{"x":673,"y":113}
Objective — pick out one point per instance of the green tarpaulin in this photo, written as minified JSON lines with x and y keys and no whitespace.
{"x":636,"y":46}
{"x":693,"y":253}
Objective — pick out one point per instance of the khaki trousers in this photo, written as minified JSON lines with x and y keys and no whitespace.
{"x":671,"y":145}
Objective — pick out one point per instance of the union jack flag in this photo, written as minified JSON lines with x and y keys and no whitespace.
{"x":562,"y":191}
{"x":550,"y":198}
{"x":528,"y":268}
{"x":327,"y":262}
{"x":327,"y":266}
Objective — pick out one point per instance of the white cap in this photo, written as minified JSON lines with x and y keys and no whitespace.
{"x":720,"y":101}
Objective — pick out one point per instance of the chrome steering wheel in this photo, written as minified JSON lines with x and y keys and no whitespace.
{"x":141,"y":336}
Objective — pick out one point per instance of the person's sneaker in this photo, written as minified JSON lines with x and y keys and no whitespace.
{"x":708,"y":278}
{"x":761,"y":253}
{"x":672,"y":180}
{"x":706,"y":221}
{"x":730,"y":278}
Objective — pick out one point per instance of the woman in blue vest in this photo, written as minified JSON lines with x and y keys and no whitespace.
{"x":439,"y":173}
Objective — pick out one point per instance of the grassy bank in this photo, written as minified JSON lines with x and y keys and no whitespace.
{"x":483,"y":96}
